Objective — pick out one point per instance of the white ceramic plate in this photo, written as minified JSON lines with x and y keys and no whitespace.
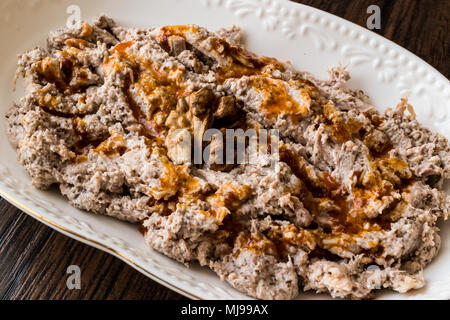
{"x":311,"y":39}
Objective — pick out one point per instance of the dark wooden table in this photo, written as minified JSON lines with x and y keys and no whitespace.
{"x":34,"y":258}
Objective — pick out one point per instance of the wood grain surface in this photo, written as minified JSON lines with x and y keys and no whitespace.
{"x":34,"y":258}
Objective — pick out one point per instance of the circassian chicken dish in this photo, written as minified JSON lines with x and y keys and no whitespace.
{"x":351,"y":205}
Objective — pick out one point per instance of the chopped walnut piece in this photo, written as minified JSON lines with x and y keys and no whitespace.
{"x":226,"y":108}
{"x":200,"y":100}
{"x":180,"y":117}
{"x":191,"y":115}
{"x":178,"y":140}
{"x":177,"y":45}
{"x":50,"y":70}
